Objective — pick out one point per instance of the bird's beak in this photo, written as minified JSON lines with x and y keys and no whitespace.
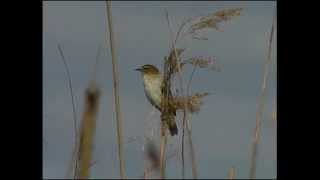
{"x":138,"y":69}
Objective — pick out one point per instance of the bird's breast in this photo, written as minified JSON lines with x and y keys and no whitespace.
{"x":152,"y":87}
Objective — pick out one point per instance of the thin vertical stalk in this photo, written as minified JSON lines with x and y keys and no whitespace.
{"x":182,"y":150}
{"x":191,"y":76}
{"x":192,"y":154}
{"x":116,"y":90}
{"x":71,"y":91}
{"x":184,"y":125}
{"x":95,"y":67}
{"x":261,"y":102}
{"x":166,"y":114}
{"x":74,"y":160}
{"x":163,"y":143}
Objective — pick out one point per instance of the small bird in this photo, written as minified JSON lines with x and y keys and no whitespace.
{"x":152,"y":81}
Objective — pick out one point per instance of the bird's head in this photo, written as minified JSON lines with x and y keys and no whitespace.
{"x":148,"y":70}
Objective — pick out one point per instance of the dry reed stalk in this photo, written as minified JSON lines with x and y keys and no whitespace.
{"x":163,"y":144}
{"x":167,"y":113}
{"x":95,"y":67}
{"x":74,"y":160}
{"x":71,"y":91}
{"x":261,"y":102}
{"x":87,"y":130}
{"x":181,"y":89}
{"x":192,"y":154}
{"x":182,"y":150}
{"x":116,"y":90}
{"x":232,"y":172}
{"x":198,"y":24}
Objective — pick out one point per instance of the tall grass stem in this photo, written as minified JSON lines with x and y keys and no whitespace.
{"x":74,"y":160}
{"x":192,"y":153}
{"x":261,"y":103}
{"x":116,"y":90}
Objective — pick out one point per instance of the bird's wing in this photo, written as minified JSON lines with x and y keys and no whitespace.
{"x":171,"y":100}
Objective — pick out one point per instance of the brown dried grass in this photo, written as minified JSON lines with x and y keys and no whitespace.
{"x":87,"y":130}
{"x":116,"y":91}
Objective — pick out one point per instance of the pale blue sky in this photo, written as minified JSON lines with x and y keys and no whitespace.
{"x":222,"y":131}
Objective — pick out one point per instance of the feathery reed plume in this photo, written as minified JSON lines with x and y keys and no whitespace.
{"x":192,"y":27}
{"x":88,"y":124}
{"x":232,"y":172}
{"x":203,"y":62}
{"x":200,"y":62}
{"x":74,"y":161}
{"x":194,"y":102}
{"x":214,"y":19}
{"x":261,"y":102}
{"x":195,"y":25}
{"x":116,"y":90}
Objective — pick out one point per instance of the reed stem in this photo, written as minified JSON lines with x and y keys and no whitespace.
{"x":116,"y":90}
{"x":74,"y":160}
{"x":163,"y":143}
{"x":192,"y":153}
{"x":261,"y":103}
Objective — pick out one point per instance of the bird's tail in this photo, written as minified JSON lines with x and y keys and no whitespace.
{"x":173,"y":128}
